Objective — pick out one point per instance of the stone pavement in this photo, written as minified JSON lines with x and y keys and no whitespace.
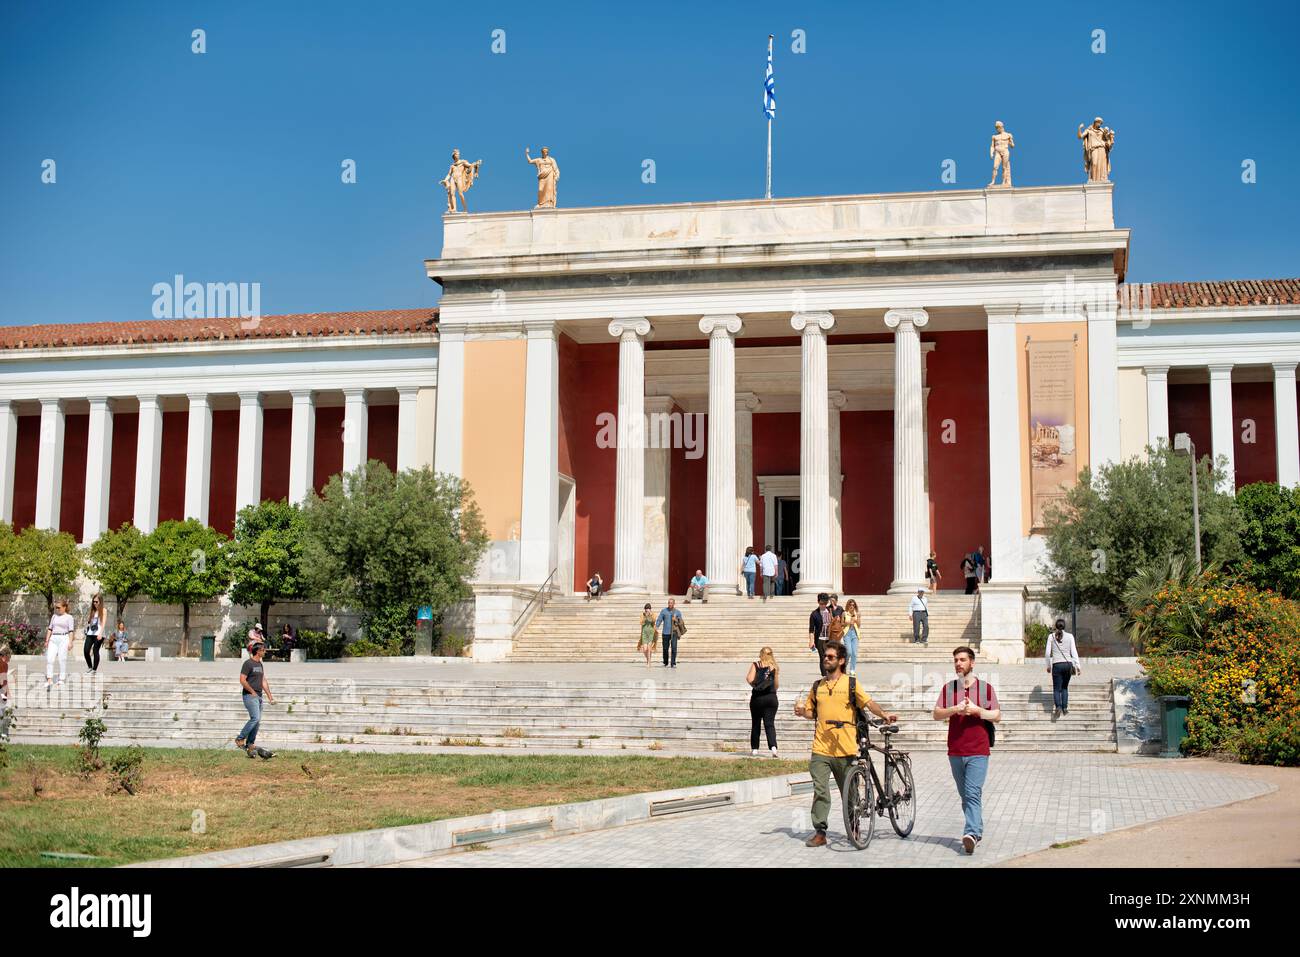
{"x":1030,"y":802}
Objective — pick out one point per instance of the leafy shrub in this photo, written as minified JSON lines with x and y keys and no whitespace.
{"x":21,"y":637}
{"x":128,"y":770}
{"x":88,"y":760}
{"x":322,"y":646}
{"x":1235,"y":652}
{"x":365,"y":648}
{"x":1036,"y":639}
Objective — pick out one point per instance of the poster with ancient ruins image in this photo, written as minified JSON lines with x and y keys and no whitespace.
{"x":1053,"y":460}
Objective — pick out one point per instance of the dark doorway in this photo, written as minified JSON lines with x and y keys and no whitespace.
{"x":787,"y":533}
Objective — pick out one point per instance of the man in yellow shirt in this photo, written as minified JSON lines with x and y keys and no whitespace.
{"x":835,"y":743}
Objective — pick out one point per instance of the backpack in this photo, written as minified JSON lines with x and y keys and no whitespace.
{"x":989,"y":727}
{"x":835,"y":630}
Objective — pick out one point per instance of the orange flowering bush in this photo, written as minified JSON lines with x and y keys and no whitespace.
{"x":1235,"y":651}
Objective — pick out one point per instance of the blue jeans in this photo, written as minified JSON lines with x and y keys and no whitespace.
{"x":1062,"y":672}
{"x":254,"y":705}
{"x":749,"y":583}
{"x":851,"y":646}
{"x":969,"y":773}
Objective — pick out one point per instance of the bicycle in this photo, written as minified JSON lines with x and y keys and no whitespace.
{"x":864,"y":798}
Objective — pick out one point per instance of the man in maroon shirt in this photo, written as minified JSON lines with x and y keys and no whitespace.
{"x":970,"y":707}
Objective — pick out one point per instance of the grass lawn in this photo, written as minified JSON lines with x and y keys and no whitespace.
{"x":301,"y":794}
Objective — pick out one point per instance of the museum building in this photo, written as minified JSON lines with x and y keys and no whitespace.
{"x":646,"y":390}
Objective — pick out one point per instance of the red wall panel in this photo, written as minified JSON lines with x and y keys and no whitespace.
{"x":381,"y":434}
{"x":569,"y":378}
{"x":223,"y":470}
{"x":688,"y":480}
{"x":957,"y":375}
{"x":72,"y":505}
{"x":867,"y":509}
{"x":277,"y":427}
{"x":776,"y":452}
{"x":1255,"y":461}
{"x":121,"y":486}
{"x":1189,"y":411}
{"x":171,"y":481}
{"x":26,"y":462}
{"x":329,"y":446}
{"x":588,"y":387}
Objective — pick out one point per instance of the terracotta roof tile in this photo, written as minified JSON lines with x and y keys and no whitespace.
{"x":1199,"y":295}
{"x":315,"y":324}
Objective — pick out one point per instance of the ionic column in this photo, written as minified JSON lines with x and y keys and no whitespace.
{"x":837,"y":402}
{"x":302,"y":446}
{"x":539,"y":516}
{"x":99,"y":467}
{"x":8,"y":458}
{"x":1157,"y":405}
{"x":248,"y":471}
{"x":721,"y":563}
{"x":1284,"y":418}
{"x":629,"y":493}
{"x":658,"y":491}
{"x":408,"y":405}
{"x":1221,"y":424}
{"x":148,"y":464}
{"x":355,"y":429}
{"x":911,"y":506}
{"x":815,"y":530}
{"x":198,"y":458}
{"x":49,"y":467}
{"x":746,"y":405}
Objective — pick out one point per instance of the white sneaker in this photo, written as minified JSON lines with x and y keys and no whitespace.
{"x":754,"y":753}
{"x":60,"y":683}
{"x":774,"y":754}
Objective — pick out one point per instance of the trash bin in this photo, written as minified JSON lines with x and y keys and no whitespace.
{"x":208,"y":648}
{"x":1173,"y":723}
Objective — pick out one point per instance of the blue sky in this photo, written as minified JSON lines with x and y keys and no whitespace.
{"x":225,"y":166}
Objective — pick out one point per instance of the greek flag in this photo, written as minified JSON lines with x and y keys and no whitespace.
{"x":769,"y":85}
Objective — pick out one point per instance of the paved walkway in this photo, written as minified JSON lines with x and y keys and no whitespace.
{"x":1031,"y":802}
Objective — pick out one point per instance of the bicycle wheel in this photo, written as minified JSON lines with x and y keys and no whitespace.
{"x":859,"y":807}
{"x":900,"y":793}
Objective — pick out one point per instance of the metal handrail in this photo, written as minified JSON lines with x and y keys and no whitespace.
{"x":537,"y":594}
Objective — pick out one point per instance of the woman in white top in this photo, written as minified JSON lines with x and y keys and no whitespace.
{"x":96,"y":631}
{"x":58,"y":642}
{"x":1062,"y":664}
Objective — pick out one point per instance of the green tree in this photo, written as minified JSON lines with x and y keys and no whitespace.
{"x":1132,"y":516}
{"x":1270,"y":537}
{"x":9,"y":580}
{"x":184,"y":563}
{"x":45,"y":562}
{"x":266,"y":556}
{"x":386,"y":544}
{"x":116,"y":563}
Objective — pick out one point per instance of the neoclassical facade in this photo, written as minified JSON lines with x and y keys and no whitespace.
{"x":646,"y":390}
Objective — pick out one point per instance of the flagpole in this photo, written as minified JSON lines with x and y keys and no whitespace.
{"x":769,"y":128}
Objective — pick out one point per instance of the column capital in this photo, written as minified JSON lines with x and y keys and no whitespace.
{"x":838,"y":400}
{"x":1220,"y":370}
{"x":1156,"y":372}
{"x":250,"y":398}
{"x":894,"y":318}
{"x":98,"y":401}
{"x":197,"y":398}
{"x":55,"y":404}
{"x":302,"y":395}
{"x":999,"y":312}
{"x":813,"y":323}
{"x":407,"y":392}
{"x":721,"y":326}
{"x":148,"y":399}
{"x":355,"y":393}
{"x":659,"y":403}
{"x":449,"y":332}
{"x":631,"y":327}
{"x":540,"y":328}
{"x":748,"y":402}
{"x":1283,"y":370}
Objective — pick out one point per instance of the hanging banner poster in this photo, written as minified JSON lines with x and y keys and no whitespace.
{"x":1053,"y":460}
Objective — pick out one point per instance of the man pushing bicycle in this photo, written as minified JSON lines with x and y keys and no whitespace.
{"x":835,"y":703}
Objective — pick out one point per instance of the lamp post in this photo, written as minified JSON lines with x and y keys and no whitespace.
{"x":1183,"y":443}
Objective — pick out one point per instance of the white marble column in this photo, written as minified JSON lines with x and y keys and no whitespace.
{"x":248,"y":469}
{"x":148,"y":464}
{"x":99,"y":469}
{"x":448,"y":434}
{"x":539,"y":516}
{"x":8,"y":458}
{"x":49,"y":465}
{"x":302,"y":446}
{"x":658,"y":493}
{"x":629,"y":491}
{"x":1103,"y":384}
{"x":815,"y":530}
{"x":1006,"y":516}
{"x":1157,"y":405}
{"x":408,"y":404}
{"x":746,"y":405}
{"x":1222,"y":426}
{"x":356,"y":429}
{"x":1284,"y":420}
{"x":198,"y":457}
{"x":721,"y":563}
{"x":911,"y":504}
{"x":837,"y":402}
